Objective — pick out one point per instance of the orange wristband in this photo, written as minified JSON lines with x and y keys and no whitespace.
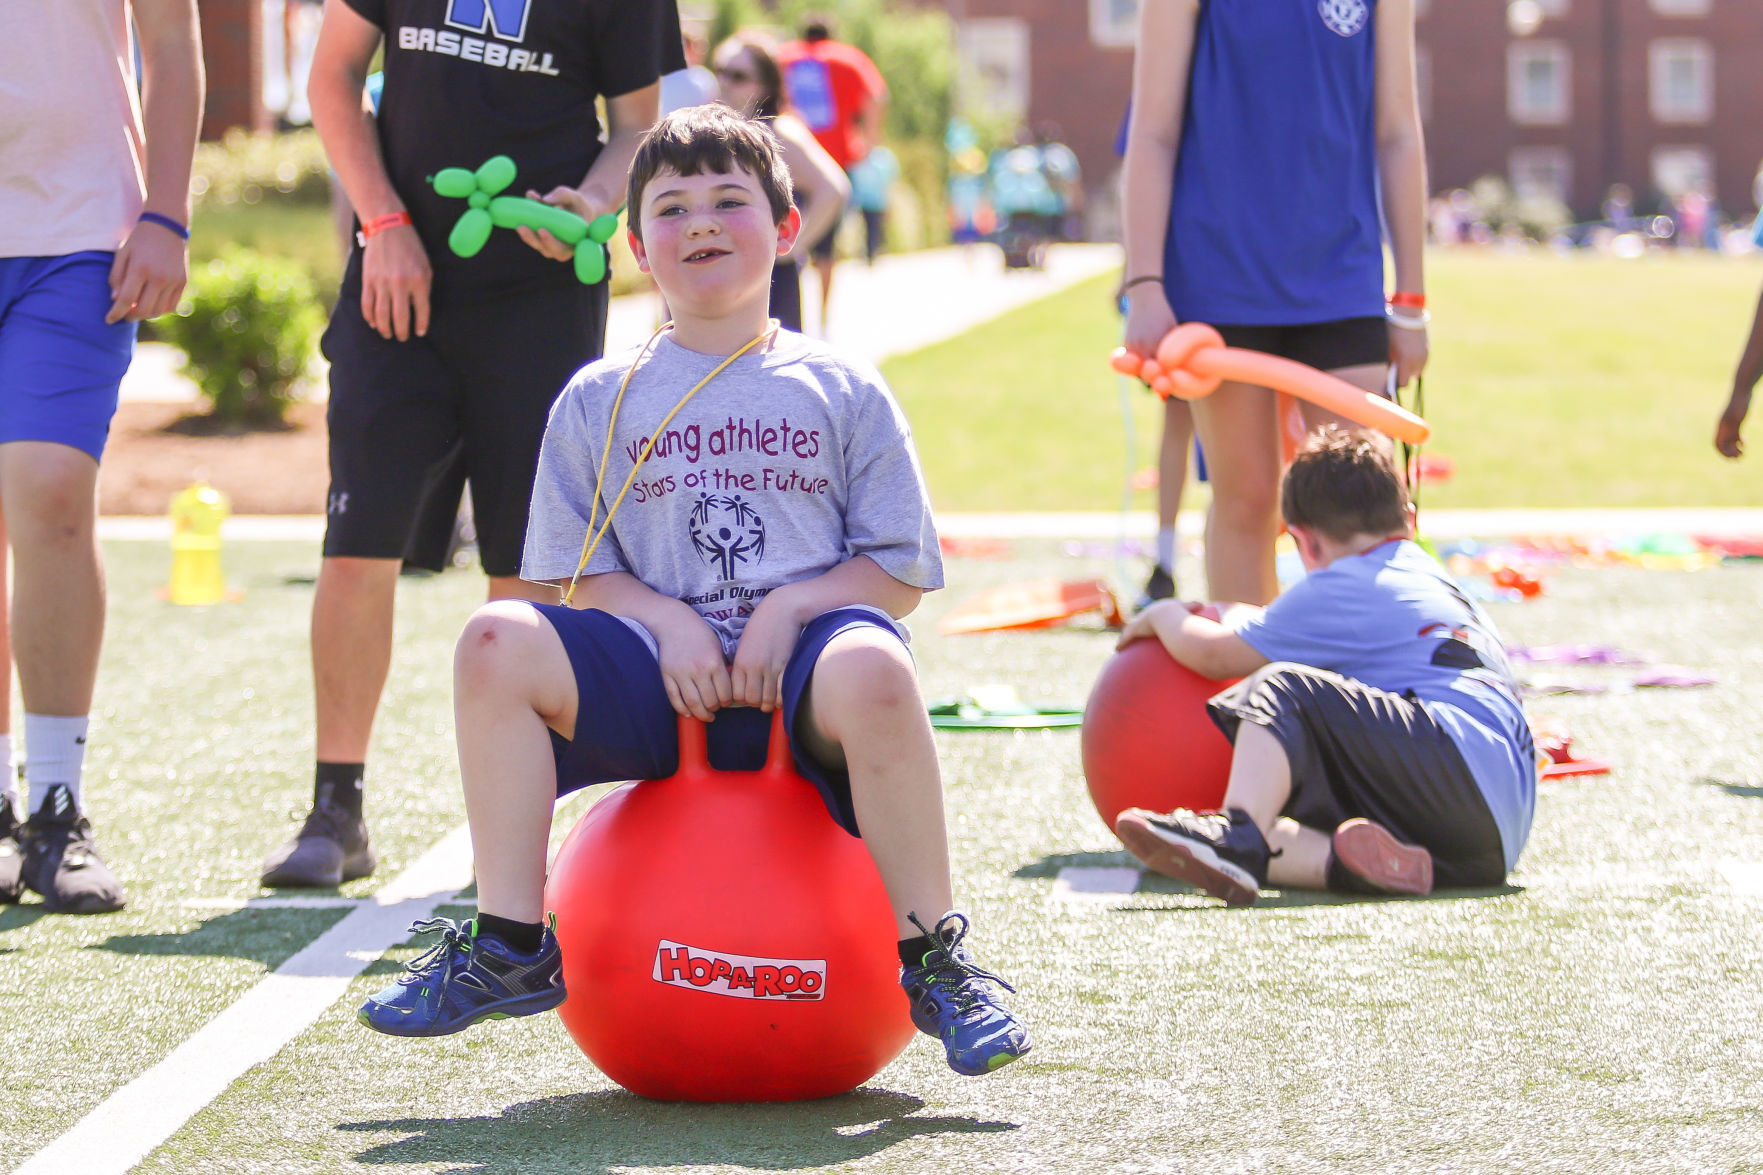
{"x":1407,"y":300}
{"x":380,"y":224}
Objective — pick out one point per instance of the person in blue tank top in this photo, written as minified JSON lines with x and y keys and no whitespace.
{"x":1273,"y":144}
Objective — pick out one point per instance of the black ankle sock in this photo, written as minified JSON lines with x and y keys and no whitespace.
{"x":344,"y":780}
{"x":524,"y":937}
{"x":1341,"y":879}
{"x":913,"y":950}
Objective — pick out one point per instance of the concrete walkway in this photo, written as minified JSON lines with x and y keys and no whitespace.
{"x":903,"y":302}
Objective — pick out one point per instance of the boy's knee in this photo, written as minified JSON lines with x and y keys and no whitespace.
{"x":866,"y":669}
{"x":498,"y":641}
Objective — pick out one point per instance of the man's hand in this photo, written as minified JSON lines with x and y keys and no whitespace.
{"x":147,"y":278}
{"x":568,"y":199}
{"x":1408,"y":351}
{"x":395,"y":279}
{"x":1148,"y":319}
{"x":692,"y":668}
{"x":1726,"y":434}
{"x":764,"y":650}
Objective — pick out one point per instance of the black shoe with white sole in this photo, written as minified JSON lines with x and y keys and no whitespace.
{"x":1222,"y":853}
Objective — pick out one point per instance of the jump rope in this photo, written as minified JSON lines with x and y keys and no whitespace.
{"x":592,"y":542}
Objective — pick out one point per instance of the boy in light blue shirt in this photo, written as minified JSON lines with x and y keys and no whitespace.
{"x":1380,"y":744}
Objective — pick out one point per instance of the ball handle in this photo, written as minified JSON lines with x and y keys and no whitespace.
{"x":694,"y":746}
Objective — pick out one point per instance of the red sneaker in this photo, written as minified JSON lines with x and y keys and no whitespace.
{"x":1371,"y":853}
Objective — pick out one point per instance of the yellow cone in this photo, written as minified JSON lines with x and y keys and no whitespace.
{"x":196,"y":515}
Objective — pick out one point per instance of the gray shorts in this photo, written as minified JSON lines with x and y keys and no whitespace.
{"x":1360,"y":751}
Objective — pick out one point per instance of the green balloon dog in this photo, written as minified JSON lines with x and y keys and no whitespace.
{"x":490,"y":210}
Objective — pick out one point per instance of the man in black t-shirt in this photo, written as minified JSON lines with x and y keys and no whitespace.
{"x":430,"y":352}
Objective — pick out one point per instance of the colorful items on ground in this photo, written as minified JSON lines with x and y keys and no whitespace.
{"x":1040,"y":603}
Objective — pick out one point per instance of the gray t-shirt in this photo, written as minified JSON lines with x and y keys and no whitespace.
{"x":790,"y":462}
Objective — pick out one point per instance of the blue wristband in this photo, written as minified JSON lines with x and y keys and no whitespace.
{"x":164,"y":221}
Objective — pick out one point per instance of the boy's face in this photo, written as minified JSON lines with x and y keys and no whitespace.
{"x":709,"y":239}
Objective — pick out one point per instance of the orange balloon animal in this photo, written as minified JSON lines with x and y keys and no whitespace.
{"x":1192,"y":361}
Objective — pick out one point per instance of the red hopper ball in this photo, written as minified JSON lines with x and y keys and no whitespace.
{"x":1147,"y":740}
{"x":724,"y":940}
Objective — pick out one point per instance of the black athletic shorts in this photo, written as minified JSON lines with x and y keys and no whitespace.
{"x":1359,"y":751}
{"x":478,"y":388}
{"x":786,"y":293}
{"x":1326,"y":346}
{"x":823,"y":248}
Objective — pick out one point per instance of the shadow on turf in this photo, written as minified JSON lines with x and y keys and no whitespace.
{"x":611,"y":1130}
{"x":265,"y":936}
{"x":1048,"y":867}
{"x":1735,"y":789}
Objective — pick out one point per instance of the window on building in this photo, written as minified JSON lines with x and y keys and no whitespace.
{"x":1682,"y":7}
{"x":1678,"y":169}
{"x":1680,"y":77}
{"x":1114,"y":23}
{"x":1541,"y":173}
{"x":994,"y":67}
{"x":1537,"y":91}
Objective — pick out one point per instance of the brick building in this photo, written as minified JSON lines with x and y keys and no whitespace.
{"x":1559,"y":96}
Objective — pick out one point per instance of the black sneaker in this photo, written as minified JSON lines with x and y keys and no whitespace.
{"x":61,"y":860}
{"x":11,"y":853}
{"x":1221,"y":853}
{"x":330,"y":848}
{"x":1376,"y":862}
{"x":464,"y":979}
{"x":1160,"y":586}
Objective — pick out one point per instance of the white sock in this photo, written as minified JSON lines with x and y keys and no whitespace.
{"x":55,"y":751}
{"x":1166,"y":548}
{"x":8,"y":777}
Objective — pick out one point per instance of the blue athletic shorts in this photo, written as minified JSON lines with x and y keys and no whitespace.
{"x":60,"y":362}
{"x":625,"y":728}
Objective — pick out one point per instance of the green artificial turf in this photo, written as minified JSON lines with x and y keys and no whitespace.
{"x":1576,"y":380}
{"x":1599,"y":1014}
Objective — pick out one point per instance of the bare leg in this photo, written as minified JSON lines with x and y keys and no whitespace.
{"x":1172,"y":460}
{"x":5,"y":642}
{"x":863,"y":710}
{"x":351,"y":652}
{"x":824,"y":267}
{"x":1238,"y":428}
{"x":51,"y":495}
{"x":512,"y":587}
{"x":1260,"y":784}
{"x":511,"y":680}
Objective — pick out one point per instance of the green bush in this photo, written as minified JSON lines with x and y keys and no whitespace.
{"x":245,"y":169}
{"x":248,"y":326}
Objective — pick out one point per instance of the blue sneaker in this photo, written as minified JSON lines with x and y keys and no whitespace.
{"x":1222,"y":853}
{"x":464,"y":979}
{"x":958,"y":1003}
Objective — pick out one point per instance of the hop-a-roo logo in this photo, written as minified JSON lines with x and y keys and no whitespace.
{"x":742,"y":976}
{"x":1345,"y":17}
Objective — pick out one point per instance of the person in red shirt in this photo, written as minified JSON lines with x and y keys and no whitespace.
{"x":840,"y":94}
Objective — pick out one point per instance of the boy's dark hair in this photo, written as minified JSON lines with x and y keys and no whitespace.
{"x":1342,"y":483}
{"x":711,"y":139}
{"x":817,"y":26}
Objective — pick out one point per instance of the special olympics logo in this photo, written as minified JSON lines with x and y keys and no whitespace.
{"x":726,"y":532}
{"x":1345,"y":17}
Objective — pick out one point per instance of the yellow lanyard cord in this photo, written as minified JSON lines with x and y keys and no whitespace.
{"x":592,"y":541}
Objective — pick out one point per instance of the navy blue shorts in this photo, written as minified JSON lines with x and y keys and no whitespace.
{"x":61,"y":364}
{"x":625,"y":728}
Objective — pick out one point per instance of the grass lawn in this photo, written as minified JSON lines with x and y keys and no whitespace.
{"x":1599,"y":1014}
{"x":1555,"y":381}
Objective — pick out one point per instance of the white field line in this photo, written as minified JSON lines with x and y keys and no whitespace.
{"x":131,"y":1122}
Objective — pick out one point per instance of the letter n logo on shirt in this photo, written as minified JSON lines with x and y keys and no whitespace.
{"x":504,"y":18}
